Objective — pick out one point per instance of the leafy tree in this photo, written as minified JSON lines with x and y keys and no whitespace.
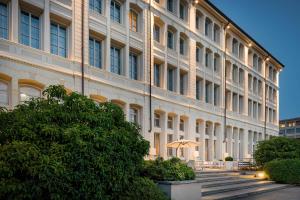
{"x":276,"y":148}
{"x":68,"y":147}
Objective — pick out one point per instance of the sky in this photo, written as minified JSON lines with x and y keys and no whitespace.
{"x":275,"y":24}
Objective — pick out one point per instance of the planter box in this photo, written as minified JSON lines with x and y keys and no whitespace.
{"x":229,"y":165}
{"x":181,"y":190}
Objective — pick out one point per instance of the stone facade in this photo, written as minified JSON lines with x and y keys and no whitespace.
{"x":198,"y":53}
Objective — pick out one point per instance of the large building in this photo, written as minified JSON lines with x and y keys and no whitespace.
{"x":180,"y":69}
{"x":290,"y":128}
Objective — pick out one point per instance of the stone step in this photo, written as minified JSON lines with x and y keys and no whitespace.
{"x":217,"y":174}
{"x":211,"y":179}
{"x":226,"y":182}
{"x":215,"y":171}
{"x":234,"y":187}
{"x":245,"y":192}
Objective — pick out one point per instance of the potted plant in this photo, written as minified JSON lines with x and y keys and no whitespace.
{"x":229,"y":163}
{"x":174,"y":178}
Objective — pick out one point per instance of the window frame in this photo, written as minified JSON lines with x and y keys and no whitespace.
{"x":30,"y":27}
{"x":4,"y":30}
{"x":59,"y":27}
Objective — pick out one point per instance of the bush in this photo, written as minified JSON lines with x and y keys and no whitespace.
{"x":144,"y":188}
{"x":228,"y":158}
{"x":284,"y":171}
{"x":169,"y":170}
{"x":68,"y":147}
{"x":276,"y":148}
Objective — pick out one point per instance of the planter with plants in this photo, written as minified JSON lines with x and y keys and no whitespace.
{"x":229,"y":163}
{"x":174,"y":178}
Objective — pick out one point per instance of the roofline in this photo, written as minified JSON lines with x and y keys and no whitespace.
{"x":290,"y":119}
{"x":240,"y":29}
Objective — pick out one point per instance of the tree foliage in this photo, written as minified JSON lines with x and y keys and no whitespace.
{"x":276,"y":148}
{"x":68,"y":147}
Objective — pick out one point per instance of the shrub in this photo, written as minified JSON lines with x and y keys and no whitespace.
{"x":144,"y":188}
{"x":228,"y":158}
{"x":68,"y":147}
{"x":276,"y":148}
{"x":168,"y":170}
{"x":284,"y":171}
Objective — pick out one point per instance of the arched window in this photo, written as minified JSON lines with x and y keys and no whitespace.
{"x":235,"y":46}
{"x":4,"y":100}
{"x":27,"y":92}
{"x":208,"y":27}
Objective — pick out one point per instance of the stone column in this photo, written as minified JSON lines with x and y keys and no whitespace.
{"x":108,"y":37}
{"x":202,"y":140}
{"x":126,"y":48}
{"x":14,"y":24}
{"x":46,"y":24}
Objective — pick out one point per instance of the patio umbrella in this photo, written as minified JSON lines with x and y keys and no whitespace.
{"x":183,"y":144}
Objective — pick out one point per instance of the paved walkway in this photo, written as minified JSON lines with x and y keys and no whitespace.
{"x":292,"y":193}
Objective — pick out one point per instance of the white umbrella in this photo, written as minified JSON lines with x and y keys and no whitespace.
{"x":183,"y":144}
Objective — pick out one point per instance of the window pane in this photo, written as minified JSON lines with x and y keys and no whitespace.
{"x":3,"y":21}
{"x":26,"y":93}
{"x":3,"y":94}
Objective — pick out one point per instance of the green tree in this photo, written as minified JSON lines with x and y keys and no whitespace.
{"x":276,"y":148}
{"x":68,"y":147}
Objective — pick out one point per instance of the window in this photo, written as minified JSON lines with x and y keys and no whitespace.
{"x":208,"y":92}
{"x":216,"y":95}
{"x":216,"y":63}
{"x":208,"y":27}
{"x":216,"y":37}
{"x":115,"y":11}
{"x":183,"y":83}
{"x":197,"y":127}
{"x":181,"y":125}
{"x":133,"y":21}
{"x":4,"y":101}
{"x":96,"y":5}
{"x":182,"y":10}
{"x":235,"y":72}
{"x":30,"y":30}
{"x":170,"y":122}
{"x":197,"y":147}
{"x":156,"y":32}
{"x":134,"y":115}
{"x":206,"y":59}
{"x":235,"y":46}
{"x":234,"y":102}
{"x":249,"y":108}
{"x":28,"y":92}
{"x":3,"y":21}
{"x":157,"y":75}
{"x":58,"y":40}
{"x":115,"y":60}
{"x":241,"y":77}
{"x":198,"y":54}
{"x":181,"y":45}
{"x":241,"y":104}
{"x":170,"y":5}
{"x":133,"y":66}
{"x":170,"y":78}
{"x":170,"y":40}
{"x":95,"y":52}
{"x":170,"y":149}
{"x":156,"y":120}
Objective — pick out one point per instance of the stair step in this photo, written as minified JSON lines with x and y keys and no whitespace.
{"x":211,"y":179}
{"x":227,"y":182}
{"x":216,"y":175}
{"x":227,"y":188}
{"x":245,"y":192}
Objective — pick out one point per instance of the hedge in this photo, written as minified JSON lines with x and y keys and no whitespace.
{"x":284,"y":171}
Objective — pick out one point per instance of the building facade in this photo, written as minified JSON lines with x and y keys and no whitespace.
{"x":290,"y":128}
{"x":180,"y":69}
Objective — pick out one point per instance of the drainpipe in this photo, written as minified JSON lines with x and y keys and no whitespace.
{"x":265,"y":124}
{"x":225,"y":101}
{"x":150,"y":70}
{"x":82,"y":47}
